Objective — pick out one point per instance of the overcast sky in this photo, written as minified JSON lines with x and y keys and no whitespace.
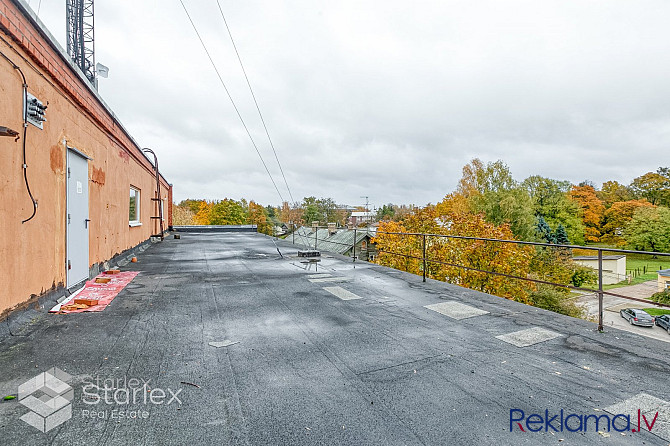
{"x":387,"y":99}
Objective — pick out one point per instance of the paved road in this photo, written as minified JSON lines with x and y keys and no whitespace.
{"x":612,"y":305}
{"x":640,"y":291}
{"x":330,"y":356}
{"x":612,"y":319}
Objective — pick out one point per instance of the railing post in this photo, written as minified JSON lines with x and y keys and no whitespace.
{"x":424,"y":257}
{"x":354,"y":244}
{"x":293,"y":233}
{"x":600,"y":290}
{"x":316,"y":236}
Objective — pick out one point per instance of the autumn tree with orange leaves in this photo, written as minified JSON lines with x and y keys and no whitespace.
{"x":457,"y":261}
{"x":258,"y":216}
{"x":592,"y":210}
{"x":617,"y":217}
{"x":203,"y":216}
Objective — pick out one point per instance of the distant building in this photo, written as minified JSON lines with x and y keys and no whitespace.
{"x":340,"y":241}
{"x":282,"y":229}
{"x":358,"y":217}
{"x":663,"y":279}
{"x":614,"y":267}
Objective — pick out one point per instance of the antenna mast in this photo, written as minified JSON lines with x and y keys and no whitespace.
{"x":80,"y":45}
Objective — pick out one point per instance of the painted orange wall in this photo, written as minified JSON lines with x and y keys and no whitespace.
{"x":32,"y":255}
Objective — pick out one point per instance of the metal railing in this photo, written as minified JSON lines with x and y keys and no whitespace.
{"x":425,"y":261}
{"x":311,"y":241}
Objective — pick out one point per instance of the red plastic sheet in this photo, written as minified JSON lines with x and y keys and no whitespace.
{"x":104,"y":293}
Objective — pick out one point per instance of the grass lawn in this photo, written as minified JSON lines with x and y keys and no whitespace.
{"x":638,"y":262}
{"x":657,"y":311}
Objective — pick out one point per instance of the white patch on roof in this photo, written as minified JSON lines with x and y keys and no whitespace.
{"x":341,"y":293}
{"x":648,"y":406}
{"x":329,"y":279}
{"x":529,"y":336}
{"x":456,"y":310}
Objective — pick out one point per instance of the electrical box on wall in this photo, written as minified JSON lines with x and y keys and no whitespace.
{"x":34,"y":110}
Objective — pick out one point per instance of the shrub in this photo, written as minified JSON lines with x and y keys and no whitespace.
{"x":557,"y":300}
{"x":583,"y":276}
{"x":662,"y":297}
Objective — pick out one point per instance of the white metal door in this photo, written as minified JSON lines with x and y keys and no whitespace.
{"x":77,"y":217}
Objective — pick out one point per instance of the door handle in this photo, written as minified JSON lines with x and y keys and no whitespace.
{"x":86,"y":222}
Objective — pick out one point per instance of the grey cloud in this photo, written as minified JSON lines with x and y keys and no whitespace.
{"x":390,"y":101}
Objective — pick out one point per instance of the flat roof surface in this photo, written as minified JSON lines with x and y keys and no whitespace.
{"x":266,"y":351}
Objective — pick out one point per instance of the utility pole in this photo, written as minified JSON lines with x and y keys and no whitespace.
{"x":367,"y":210}
{"x":366,"y":202}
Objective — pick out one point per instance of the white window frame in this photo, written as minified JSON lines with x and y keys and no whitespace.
{"x":137,"y":221}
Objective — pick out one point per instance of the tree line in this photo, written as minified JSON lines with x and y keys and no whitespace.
{"x":237,"y":212}
{"x":490,"y":203}
{"x":636,"y":216}
{"x":224,"y":212}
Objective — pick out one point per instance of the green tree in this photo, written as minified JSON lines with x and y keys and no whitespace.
{"x":550,"y":201}
{"x":323,"y":210}
{"x":229,"y":212}
{"x":328,"y":208}
{"x":386,"y":212}
{"x":613,"y":192}
{"x":561,"y":235}
{"x":543,"y":231}
{"x":311,"y":211}
{"x":649,"y":229}
{"x":617,"y":217}
{"x":583,"y":275}
{"x":492,"y":191}
{"x":654,"y":187}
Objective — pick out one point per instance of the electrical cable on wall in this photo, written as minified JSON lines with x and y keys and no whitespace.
{"x":25,"y":129}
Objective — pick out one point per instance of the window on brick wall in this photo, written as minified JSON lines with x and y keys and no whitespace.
{"x":134,"y":207}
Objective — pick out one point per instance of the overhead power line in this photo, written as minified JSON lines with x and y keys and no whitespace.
{"x":239,"y":115}
{"x":255,"y":101}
